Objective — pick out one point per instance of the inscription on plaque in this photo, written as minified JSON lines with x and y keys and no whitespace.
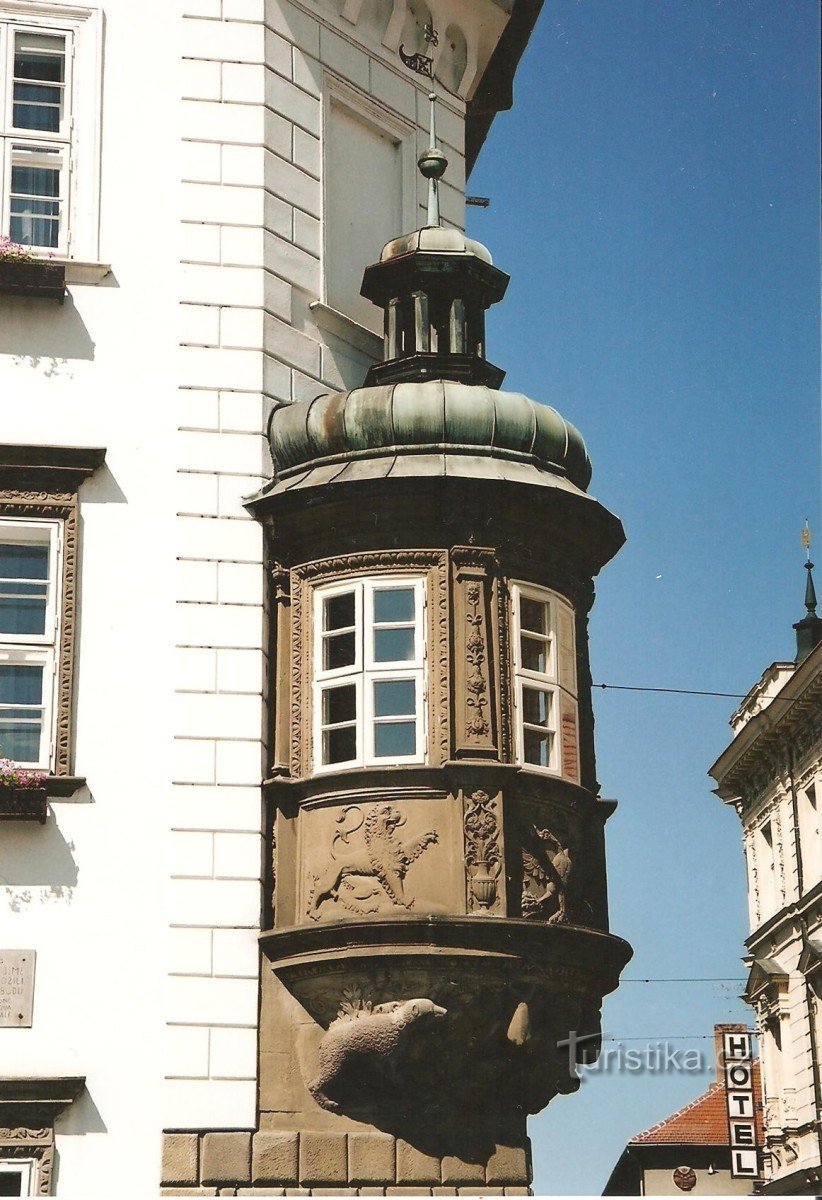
{"x":16,"y":988}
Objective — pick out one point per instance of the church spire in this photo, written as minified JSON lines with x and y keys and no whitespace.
{"x":809,"y":629}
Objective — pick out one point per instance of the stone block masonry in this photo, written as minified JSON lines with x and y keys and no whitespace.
{"x":252,"y":86}
{"x":285,"y":1162}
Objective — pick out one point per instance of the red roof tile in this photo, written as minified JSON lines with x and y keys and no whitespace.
{"x":703,"y":1122}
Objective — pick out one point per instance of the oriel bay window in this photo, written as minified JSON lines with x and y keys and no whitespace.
{"x":29,"y":627}
{"x":545,"y":693}
{"x":369,"y":673}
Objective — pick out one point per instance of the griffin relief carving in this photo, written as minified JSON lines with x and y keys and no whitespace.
{"x":371,"y":877}
{"x":545,"y":878}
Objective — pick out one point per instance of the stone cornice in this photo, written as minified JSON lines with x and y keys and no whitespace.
{"x":48,"y":468}
{"x":761,"y":743}
{"x":33,"y":1097}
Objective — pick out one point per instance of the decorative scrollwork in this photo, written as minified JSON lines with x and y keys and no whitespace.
{"x":483,"y":857}
{"x":476,"y":683}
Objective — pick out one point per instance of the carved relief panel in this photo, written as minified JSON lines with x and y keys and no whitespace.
{"x":484,"y":854}
{"x":377,"y":858}
{"x":476,"y":732}
{"x":561,"y":878}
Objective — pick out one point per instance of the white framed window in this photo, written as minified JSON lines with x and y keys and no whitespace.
{"x":50,"y":126}
{"x":810,"y":836}
{"x":362,"y":141}
{"x":369,"y":694}
{"x":17,"y":1176}
{"x":29,"y":632}
{"x":544,"y":680}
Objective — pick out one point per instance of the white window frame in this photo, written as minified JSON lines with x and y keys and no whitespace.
{"x":38,"y":649}
{"x":79,"y":138}
{"x":544,"y":681}
{"x":365,"y":672}
{"x":26,"y":1168}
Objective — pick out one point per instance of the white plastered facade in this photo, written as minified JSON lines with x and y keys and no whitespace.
{"x":202,"y":298}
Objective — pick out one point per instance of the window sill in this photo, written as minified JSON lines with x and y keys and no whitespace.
{"x":332,"y":320}
{"x":85,"y":272}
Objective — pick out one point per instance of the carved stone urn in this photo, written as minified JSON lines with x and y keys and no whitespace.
{"x":438,"y":927}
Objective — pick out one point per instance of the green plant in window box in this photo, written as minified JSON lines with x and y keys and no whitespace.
{"x":24,"y":273}
{"x":22,"y":793}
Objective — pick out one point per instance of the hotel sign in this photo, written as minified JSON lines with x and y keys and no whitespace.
{"x":739,"y":1094}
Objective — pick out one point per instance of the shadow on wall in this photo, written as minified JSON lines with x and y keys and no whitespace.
{"x":43,"y":334}
{"x":83,"y":1116}
{"x":102,"y":488}
{"x":37,"y":864}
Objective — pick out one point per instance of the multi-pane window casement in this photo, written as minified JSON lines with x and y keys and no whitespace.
{"x":29,"y":628}
{"x":37,"y":127}
{"x":17,"y":1177}
{"x":49,"y":127}
{"x":545,"y":680}
{"x":369,"y":673}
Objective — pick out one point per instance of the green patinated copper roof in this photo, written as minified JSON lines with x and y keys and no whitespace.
{"x":434,"y":239}
{"x":421,"y":421}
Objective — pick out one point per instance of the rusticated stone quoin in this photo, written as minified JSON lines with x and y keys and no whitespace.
{"x":371,"y":1158}
{"x":226,"y":1158}
{"x":415,"y":1167}
{"x":274,"y":1158}
{"x":181,"y":1158}
{"x":508,"y":1164}
{"x":323,"y":1158}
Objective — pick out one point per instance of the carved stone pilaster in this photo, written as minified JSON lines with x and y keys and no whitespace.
{"x":475,"y":690}
{"x":280,"y":668}
{"x":484,"y":854}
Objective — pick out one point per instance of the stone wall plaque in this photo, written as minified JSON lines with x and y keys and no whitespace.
{"x":16,"y":988}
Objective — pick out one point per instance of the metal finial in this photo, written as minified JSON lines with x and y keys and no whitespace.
{"x":810,"y":590}
{"x":806,"y":539}
{"x":432,"y":164}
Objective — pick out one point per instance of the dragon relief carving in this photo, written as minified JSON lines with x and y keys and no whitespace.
{"x":382,"y":858}
{"x":546,"y":874}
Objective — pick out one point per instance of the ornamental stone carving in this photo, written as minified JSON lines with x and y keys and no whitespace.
{"x":369,"y":857}
{"x":476,"y":685}
{"x":546,"y":873}
{"x":365,"y":1041}
{"x":483,"y":852}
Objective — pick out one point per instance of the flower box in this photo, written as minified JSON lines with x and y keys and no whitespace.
{"x":32,"y":277}
{"x":23,"y":804}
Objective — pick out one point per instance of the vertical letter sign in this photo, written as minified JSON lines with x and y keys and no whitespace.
{"x":740,"y":1100}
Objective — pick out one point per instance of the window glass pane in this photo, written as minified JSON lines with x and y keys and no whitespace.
{"x":340,"y":745}
{"x":533,"y":615}
{"x":20,"y":561}
{"x":338,"y":611}
{"x":393,"y":604}
{"x":536,"y":706}
{"x":395,"y":739}
{"x":339,"y":704}
{"x":11,"y":1183}
{"x":534,"y":655}
{"x":393,"y":645}
{"x":537,"y":747}
{"x":339,"y":650}
{"x":21,"y":685}
{"x":395,"y":698}
{"x":23,"y":588}
{"x":39,"y":72}
{"x":35,"y":202}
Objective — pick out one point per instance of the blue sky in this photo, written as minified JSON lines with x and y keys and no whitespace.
{"x":655,"y":196}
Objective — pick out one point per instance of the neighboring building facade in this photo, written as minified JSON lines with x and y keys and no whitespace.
{"x":690,"y":1151}
{"x":196,"y":174}
{"x":772,"y":774}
